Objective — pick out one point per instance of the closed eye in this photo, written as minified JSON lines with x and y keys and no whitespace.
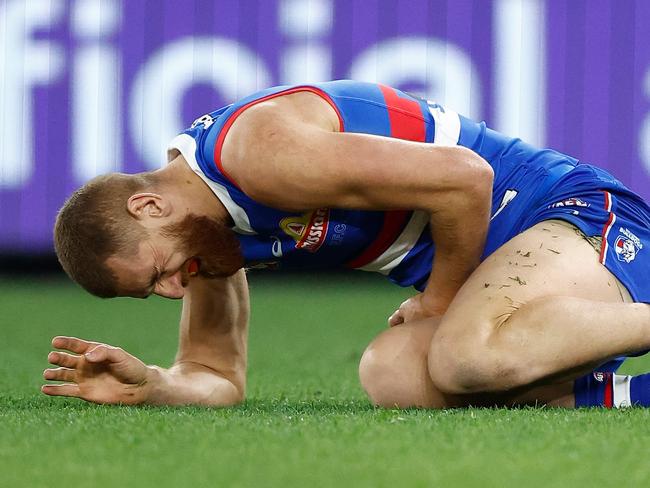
{"x":155,"y":278}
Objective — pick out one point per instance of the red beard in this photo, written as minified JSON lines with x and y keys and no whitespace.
{"x":211,"y":242}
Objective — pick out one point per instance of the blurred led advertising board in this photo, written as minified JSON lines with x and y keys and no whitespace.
{"x":92,"y":86}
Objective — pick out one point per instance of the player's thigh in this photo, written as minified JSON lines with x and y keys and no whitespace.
{"x":552,"y":258}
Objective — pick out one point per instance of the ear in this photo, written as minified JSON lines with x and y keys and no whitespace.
{"x":143,"y":206}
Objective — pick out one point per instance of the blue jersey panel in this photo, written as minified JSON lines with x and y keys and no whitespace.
{"x":527,"y":180}
{"x":602,"y":207}
{"x":361,"y":105}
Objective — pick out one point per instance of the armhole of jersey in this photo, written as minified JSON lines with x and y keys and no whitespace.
{"x":231,"y":120}
{"x":186,"y":145}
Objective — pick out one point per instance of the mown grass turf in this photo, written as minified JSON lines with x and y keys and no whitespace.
{"x":306,"y":422}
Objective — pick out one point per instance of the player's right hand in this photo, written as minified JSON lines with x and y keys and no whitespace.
{"x":96,"y":373}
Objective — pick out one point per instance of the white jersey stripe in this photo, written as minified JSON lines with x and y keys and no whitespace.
{"x":447,"y":125}
{"x":396,"y":253}
{"x":187,"y":147}
{"x":621,"y":390}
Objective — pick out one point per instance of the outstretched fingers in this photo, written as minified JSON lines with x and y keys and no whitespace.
{"x":73,"y":344}
{"x":64,"y":389}
{"x":64,"y":359}
{"x":60,"y":374}
{"x":67,"y":370}
{"x":104,"y":352}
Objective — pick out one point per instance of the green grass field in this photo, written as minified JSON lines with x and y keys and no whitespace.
{"x":306,"y":421}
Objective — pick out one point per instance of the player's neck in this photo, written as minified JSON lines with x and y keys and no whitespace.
{"x":192,"y":192}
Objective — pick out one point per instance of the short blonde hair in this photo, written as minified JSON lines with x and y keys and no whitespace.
{"x":94,"y":224}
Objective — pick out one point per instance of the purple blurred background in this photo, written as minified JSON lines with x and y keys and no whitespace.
{"x":92,"y":86}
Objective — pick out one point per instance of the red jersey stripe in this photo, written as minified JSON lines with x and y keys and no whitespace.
{"x":609,"y":391}
{"x":406,"y":122}
{"x":605,"y":233}
{"x":405,"y":116}
{"x":394,"y":223}
{"x":231,"y":120}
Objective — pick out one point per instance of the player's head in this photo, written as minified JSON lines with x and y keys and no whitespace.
{"x":132,"y":235}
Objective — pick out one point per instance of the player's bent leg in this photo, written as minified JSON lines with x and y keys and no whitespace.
{"x":540,"y":309}
{"x":393,"y":372}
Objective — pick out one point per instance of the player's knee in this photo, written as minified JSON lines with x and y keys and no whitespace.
{"x":374,"y":374}
{"x":377,"y":372}
{"x":393,"y":375}
{"x":472,"y":363}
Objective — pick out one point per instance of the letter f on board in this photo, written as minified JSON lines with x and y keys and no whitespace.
{"x":24,"y":63}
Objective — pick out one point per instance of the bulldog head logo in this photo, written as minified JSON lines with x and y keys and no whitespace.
{"x":625,"y":249}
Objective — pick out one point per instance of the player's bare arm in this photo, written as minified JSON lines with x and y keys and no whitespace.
{"x":288,"y":153}
{"x":210,"y":366}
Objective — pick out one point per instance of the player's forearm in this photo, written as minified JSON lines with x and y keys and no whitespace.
{"x":459,"y":231}
{"x":191,"y":384}
{"x":210,"y":366}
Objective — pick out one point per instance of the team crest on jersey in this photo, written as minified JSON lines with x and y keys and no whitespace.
{"x":627,"y":245}
{"x":206,"y":120}
{"x":308,"y":230}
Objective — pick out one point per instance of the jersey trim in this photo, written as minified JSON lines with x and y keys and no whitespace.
{"x":621,"y":390}
{"x":393,"y":225}
{"x":609,"y":391}
{"x":404,"y":115}
{"x":608,"y":226}
{"x":231,"y":119}
{"x":187,"y":147}
{"x":397,"y":251}
{"x":447,"y":125}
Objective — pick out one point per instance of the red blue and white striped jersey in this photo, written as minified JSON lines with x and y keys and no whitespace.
{"x":395,"y":243}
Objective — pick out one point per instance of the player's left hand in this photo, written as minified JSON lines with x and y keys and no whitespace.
{"x":96,"y":372}
{"x":416,"y":307}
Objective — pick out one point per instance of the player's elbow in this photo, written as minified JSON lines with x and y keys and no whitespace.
{"x":472,"y":192}
{"x":467,"y":187}
{"x":478,"y":175}
{"x":232,"y":400}
{"x":225,"y":394}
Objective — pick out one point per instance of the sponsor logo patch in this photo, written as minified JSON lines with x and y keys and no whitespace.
{"x":276,"y":247}
{"x":627,"y":245}
{"x":308,"y":230}
{"x":339,"y":234}
{"x":570,"y":202}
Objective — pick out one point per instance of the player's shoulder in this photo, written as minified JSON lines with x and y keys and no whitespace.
{"x":284,"y":112}
{"x":311,"y":103}
{"x":284,"y":106}
{"x":265,"y":122}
